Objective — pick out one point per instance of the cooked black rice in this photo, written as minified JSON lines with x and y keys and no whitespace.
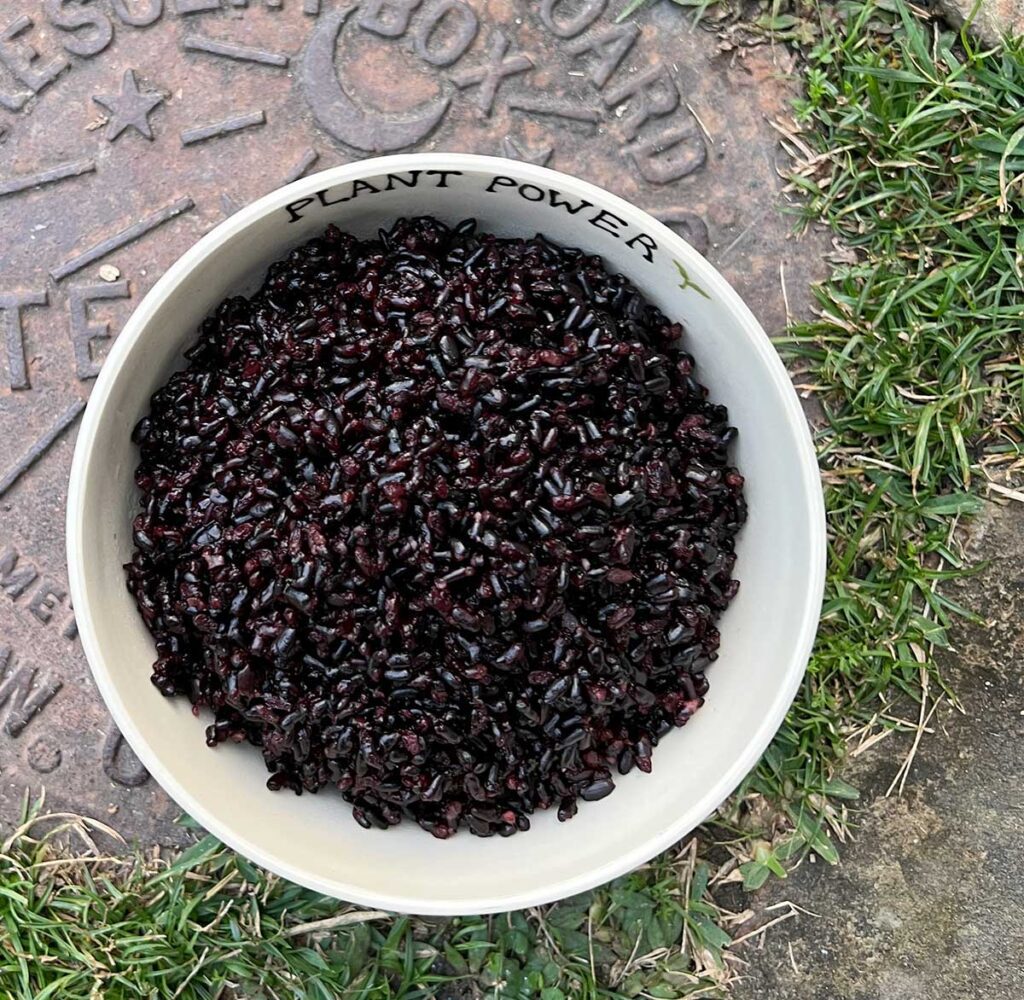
{"x":441,"y":519}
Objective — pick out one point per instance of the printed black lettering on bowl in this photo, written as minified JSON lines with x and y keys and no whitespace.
{"x":440,"y":519}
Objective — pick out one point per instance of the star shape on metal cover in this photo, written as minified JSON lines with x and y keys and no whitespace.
{"x":131,"y":107}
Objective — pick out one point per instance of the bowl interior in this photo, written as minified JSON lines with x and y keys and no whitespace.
{"x":766,"y":632}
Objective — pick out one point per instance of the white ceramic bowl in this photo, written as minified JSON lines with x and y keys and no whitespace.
{"x":766,"y":633}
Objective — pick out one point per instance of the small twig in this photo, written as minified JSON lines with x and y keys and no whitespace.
{"x":701,"y":992}
{"x":868,"y":460}
{"x":1005,"y":491}
{"x":707,"y":135}
{"x":213,"y":890}
{"x":537,"y":914}
{"x":785,"y":294}
{"x":590,"y":943}
{"x":629,"y":961}
{"x":339,"y":920}
{"x":903,"y":773}
{"x":792,"y":906}
{"x":195,"y":969}
{"x":746,"y":232}
{"x":760,"y":930}
{"x":687,"y":887}
{"x":793,"y":135}
{"x":225,"y":907}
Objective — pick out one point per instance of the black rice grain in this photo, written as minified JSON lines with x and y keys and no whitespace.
{"x":440,"y":519}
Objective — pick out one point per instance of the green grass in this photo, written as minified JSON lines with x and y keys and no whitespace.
{"x":210,"y":925}
{"x":910,"y":147}
{"x":911,"y":150}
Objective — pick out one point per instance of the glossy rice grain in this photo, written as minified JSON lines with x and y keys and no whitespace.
{"x":442,"y":520}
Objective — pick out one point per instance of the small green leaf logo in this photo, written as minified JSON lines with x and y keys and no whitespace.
{"x":687,"y":282}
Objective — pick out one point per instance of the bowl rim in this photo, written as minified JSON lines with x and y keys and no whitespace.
{"x":645,"y":848}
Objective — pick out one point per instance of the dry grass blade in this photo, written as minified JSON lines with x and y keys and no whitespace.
{"x":65,"y":821}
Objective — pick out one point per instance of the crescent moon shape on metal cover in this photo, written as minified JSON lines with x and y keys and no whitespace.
{"x":338,"y":114}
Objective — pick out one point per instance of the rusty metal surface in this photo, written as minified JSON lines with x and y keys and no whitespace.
{"x":128,"y":128}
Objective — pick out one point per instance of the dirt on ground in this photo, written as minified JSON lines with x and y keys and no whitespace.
{"x":928,"y":901}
